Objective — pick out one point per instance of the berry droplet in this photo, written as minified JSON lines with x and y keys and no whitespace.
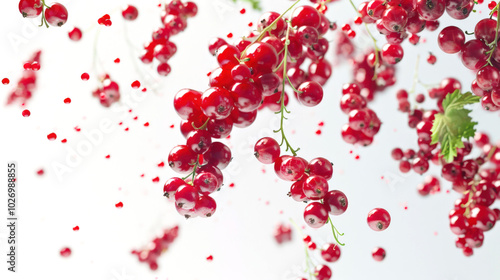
{"x":52,"y":136}
{"x":26,"y":113}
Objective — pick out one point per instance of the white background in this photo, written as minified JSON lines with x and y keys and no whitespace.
{"x":419,"y":243}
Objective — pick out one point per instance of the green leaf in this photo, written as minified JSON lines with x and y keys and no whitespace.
{"x":255,"y":4}
{"x":455,"y":124}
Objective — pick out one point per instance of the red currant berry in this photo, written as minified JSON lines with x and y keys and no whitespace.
{"x":310,"y":93}
{"x":330,"y":252}
{"x":267,"y":150}
{"x":186,"y":197}
{"x":56,"y":15}
{"x":205,"y":206}
{"x":181,"y":159}
{"x":30,"y":8}
{"x":315,"y":214}
{"x":130,"y":12}
{"x":336,"y":202}
{"x":378,"y":219}
{"x":378,"y":254}
{"x":315,"y":187}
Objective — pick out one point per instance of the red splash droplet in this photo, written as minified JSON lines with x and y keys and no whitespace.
{"x":85,"y":77}
{"x":231,"y":185}
{"x":77,"y":228}
{"x":228,"y":137}
{"x":318,"y":132}
{"x":52,"y":136}
{"x":117,"y":60}
{"x":40,"y":172}
{"x":119,"y":205}
{"x":210,"y":258}
{"x":26,"y":113}
{"x":161,"y":164}
{"x":382,"y":177}
{"x":250,"y":24}
{"x":172,"y":126}
{"x":64,"y":140}
{"x":406,"y":208}
{"x":229,"y":35}
{"x":356,"y":157}
{"x":146,"y":124}
{"x":321,"y":124}
{"x":120,"y":123}
{"x":136,"y":84}
{"x":77,"y":129}
{"x":108,"y":156}
{"x":209,"y":73}
{"x":65,"y":252}
{"x":67,"y":100}
{"x":5,"y":81}
{"x":130,"y":110}
{"x":144,"y":90}
{"x":243,"y":11}
{"x":156,"y":179}
{"x":142,"y":175}
{"x":126,"y":129}
{"x":350,"y":151}
{"x":135,"y":118}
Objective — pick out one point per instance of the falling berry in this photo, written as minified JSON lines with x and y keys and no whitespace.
{"x":5,"y":81}
{"x":156,"y":180}
{"x":378,"y":254}
{"x":67,"y":100}
{"x":75,"y":34}
{"x":26,"y":113}
{"x":136,"y":84}
{"x":65,"y":252}
{"x":243,"y":11}
{"x":85,"y":77}
{"x":52,"y":136}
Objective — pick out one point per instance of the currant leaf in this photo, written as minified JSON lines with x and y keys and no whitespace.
{"x":450,"y":127}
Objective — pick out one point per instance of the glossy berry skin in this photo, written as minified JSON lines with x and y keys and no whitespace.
{"x":323,"y":272}
{"x":206,"y":183}
{"x":186,"y":197}
{"x":378,"y":254}
{"x":430,"y":9}
{"x":315,"y":187}
{"x":181,"y":159}
{"x":310,"y":93}
{"x":267,"y":150}
{"x":297,"y":191}
{"x":336,"y":202}
{"x":214,"y":170}
{"x":289,"y":168}
{"x":199,"y":141}
{"x":267,"y":19}
{"x":488,"y":77}
{"x":315,"y":214}
{"x":378,"y":219}
{"x":320,"y":71}
{"x":459,"y":223}
{"x":473,"y":54}
{"x":392,"y":54}
{"x":187,"y":103}
{"x":320,"y":167}
{"x":220,"y":128}
{"x":130,"y":12}
{"x":420,"y":165}
{"x":171,"y":186}
{"x":56,"y":15}
{"x":246,"y":96}
{"x":330,"y":252}
{"x":261,"y":58}
{"x":227,"y":56}
{"x":451,"y":39}
{"x":350,"y":101}
{"x":305,"y":16}
{"x":30,"y":8}
{"x":205,"y":206}
{"x":216,"y":103}
{"x":218,"y":154}
{"x":483,"y":218}
{"x":394,"y":19}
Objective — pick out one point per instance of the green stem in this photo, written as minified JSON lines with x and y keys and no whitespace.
{"x":268,"y":28}
{"x":493,"y":44}
{"x":336,"y":232}
{"x":203,"y":126}
{"x":283,"y":109}
{"x":192,"y":174}
{"x":308,"y":258}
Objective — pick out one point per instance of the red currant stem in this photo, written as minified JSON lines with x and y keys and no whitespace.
{"x":269,"y":28}
{"x":493,"y":44}
{"x":202,"y":127}
{"x":491,"y":153}
{"x":193,"y":173}
{"x":375,"y":46}
{"x":470,"y":199}
{"x":309,"y":261}
{"x":283,"y":107}
{"x":415,"y":75}
{"x":43,"y":3}
{"x":44,"y":21}
{"x":336,"y":232}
